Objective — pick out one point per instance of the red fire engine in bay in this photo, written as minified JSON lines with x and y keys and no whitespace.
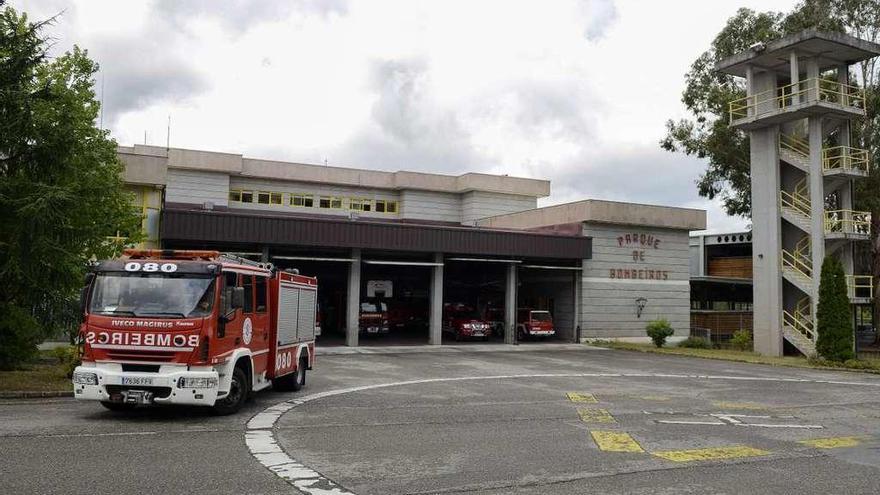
{"x":192,"y":327}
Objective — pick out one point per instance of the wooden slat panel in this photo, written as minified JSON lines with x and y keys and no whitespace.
{"x":733,"y":267}
{"x":722,"y":322}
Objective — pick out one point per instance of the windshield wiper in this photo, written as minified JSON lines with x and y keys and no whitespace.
{"x":116,"y":312}
{"x":160,"y":313}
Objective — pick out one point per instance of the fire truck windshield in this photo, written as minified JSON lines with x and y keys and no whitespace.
{"x":152,"y":295}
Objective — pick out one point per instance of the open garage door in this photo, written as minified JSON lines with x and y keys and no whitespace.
{"x":395,"y":299}
{"x":474,"y":292}
{"x":550,"y":288}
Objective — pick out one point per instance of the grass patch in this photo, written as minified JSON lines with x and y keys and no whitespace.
{"x":38,"y":377}
{"x":866,"y":365}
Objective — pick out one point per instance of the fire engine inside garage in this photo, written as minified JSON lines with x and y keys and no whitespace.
{"x":417,"y":258}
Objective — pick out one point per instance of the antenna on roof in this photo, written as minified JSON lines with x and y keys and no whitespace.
{"x":168,"y":135}
{"x":145,"y":137}
{"x":325,"y":161}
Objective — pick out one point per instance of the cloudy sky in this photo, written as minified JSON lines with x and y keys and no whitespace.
{"x":574,"y":91}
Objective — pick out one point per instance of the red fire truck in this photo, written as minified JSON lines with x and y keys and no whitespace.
{"x":192,"y":327}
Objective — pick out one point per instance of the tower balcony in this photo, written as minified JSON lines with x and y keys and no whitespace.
{"x":845,"y":161}
{"x":847,"y":224}
{"x":795,"y":101}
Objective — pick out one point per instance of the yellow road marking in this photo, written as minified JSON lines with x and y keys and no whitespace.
{"x":710,"y":454}
{"x":615,"y":441}
{"x":738,"y":405}
{"x":583,"y":398}
{"x":589,"y":415}
{"x":832,"y":443}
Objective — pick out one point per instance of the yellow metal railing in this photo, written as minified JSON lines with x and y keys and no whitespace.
{"x":801,"y":323}
{"x":848,"y":222}
{"x":794,"y":144}
{"x":795,"y":200}
{"x":803,"y":246}
{"x":845,"y":158}
{"x":807,"y":90}
{"x":861,"y":286}
{"x":798,"y":262}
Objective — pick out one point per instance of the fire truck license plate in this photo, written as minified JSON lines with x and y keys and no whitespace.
{"x":137,"y":380}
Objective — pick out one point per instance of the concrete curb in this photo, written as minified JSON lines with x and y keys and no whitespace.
{"x":35,"y":394}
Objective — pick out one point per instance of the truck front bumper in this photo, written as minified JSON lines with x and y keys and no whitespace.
{"x":107,"y":382}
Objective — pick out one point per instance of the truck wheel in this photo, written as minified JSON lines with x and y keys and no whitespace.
{"x":299,"y":378}
{"x":238,"y":393}
{"x":117,"y":406}
{"x":520,"y":334}
{"x":294,"y":381}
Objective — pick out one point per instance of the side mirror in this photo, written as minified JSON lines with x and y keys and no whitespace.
{"x":237,"y":298}
{"x":83,"y":295}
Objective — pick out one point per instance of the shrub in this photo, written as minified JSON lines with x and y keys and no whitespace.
{"x":695,"y":343}
{"x":68,"y":358}
{"x":835,"y":340}
{"x":19,"y":336}
{"x":659,"y":331}
{"x":742,"y":340}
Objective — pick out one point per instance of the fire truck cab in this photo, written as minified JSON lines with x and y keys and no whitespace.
{"x":192,"y":327}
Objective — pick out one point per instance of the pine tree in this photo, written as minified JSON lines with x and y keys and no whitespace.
{"x":835,"y":341}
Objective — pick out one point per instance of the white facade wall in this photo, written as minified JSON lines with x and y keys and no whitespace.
{"x":479,"y":204}
{"x":432,"y":206}
{"x":197,"y":187}
{"x":608,"y":305}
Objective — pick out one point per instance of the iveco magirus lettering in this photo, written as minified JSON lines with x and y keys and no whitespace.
{"x":192,"y":327}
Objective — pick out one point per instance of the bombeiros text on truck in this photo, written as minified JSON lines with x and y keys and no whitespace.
{"x":192,"y":327}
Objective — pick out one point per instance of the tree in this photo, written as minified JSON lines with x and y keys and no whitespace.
{"x":706,"y":133}
{"x":61,"y":190}
{"x":835,"y":339}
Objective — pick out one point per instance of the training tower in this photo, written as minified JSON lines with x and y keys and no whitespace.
{"x":798,"y":110}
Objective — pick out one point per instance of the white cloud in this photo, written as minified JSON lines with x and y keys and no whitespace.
{"x":573,"y":91}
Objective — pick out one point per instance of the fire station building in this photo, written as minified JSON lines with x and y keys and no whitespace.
{"x":424,"y":241}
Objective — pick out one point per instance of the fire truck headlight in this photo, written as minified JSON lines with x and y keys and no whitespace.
{"x":84,"y":378}
{"x":197,"y":382}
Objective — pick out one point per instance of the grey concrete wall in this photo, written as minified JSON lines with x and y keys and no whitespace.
{"x":433,"y":206}
{"x":478,"y":204}
{"x":196,"y":187}
{"x":608,"y":305}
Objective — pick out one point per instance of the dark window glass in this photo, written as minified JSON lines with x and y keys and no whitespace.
{"x":247,"y":197}
{"x":261,"y":294}
{"x":247,"y":281}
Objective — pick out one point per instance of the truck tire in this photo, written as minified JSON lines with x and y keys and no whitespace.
{"x":238,"y":394}
{"x":117,"y":406}
{"x":294,"y":381}
{"x":299,"y":378}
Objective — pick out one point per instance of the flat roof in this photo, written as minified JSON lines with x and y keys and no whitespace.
{"x":601,"y":211}
{"x":149,"y":164}
{"x":830,"y":49}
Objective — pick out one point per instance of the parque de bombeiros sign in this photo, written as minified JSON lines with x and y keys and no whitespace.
{"x":638,"y":243}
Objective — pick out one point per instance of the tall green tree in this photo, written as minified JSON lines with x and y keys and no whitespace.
{"x":706,"y":134}
{"x":61,"y":190}
{"x":835,"y":339}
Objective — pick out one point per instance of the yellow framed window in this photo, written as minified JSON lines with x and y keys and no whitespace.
{"x":332,"y":202}
{"x":386,"y":206}
{"x":302,"y":200}
{"x":275,"y":198}
{"x":247,"y":196}
{"x":263,"y":197}
{"x":360,"y":204}
{"x":235,"y":195}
